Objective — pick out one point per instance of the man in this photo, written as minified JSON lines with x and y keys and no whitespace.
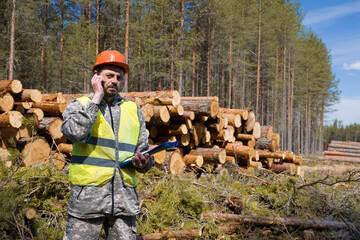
{"x":105,"y":130}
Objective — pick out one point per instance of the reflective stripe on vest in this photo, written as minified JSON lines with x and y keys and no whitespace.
{"x":94,"y":162}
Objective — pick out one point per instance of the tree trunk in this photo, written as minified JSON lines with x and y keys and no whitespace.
{"x":97,"y":26}
{"x":211,"y":155}
{"x":12,"y":41}
{"x":270,"y":221}
{"x":36,"y":152}
{"x":126,"y":77}
{"x":44,"y":47}
{"x":258,"y":63}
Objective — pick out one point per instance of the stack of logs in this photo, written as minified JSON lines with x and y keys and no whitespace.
{"x":343,"y":151}
{"x":207,"y":134}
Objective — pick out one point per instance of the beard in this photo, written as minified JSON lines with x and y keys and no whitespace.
{"x":111,"y":91}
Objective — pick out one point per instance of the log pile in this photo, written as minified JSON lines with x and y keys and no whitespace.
{"x":343,"y":151}
{"x":207,"y":134}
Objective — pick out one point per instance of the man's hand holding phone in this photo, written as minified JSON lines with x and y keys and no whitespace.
{"x":97,"y":83}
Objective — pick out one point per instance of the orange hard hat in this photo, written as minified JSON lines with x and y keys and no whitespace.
{"x":111,"y":57}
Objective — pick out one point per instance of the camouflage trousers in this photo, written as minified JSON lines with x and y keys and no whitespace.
{"x":120,"y":227}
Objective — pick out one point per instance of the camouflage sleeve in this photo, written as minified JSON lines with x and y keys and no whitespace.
{"x":143,"y":142}
{"x":78,"y":120}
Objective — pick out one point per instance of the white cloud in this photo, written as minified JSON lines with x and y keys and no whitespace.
{"x":347,"y":111}
{"x":352,"y":66}
{"x":333,"y":12}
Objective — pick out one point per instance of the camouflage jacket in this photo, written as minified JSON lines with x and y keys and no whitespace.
{"x":114,"y":198}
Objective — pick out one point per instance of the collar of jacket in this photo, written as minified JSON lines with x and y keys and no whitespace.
{"x":118,"y":99}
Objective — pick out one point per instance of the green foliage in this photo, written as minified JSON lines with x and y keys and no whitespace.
{"x":44,"y":188}
{"x":337,"y":131}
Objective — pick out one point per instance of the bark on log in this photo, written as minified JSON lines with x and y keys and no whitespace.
{"x":52,"y":126}
{"x":263,"y":154}
{"x":211,"y":155}
{"x":193,"y":160}
{"x":243,"y":154}
{"x":187,"y":234}
{"x":348,"y":150}
{"x":6,"y":102}
{"x":54,"y":97}
{"x":69,"y":97}
{"x":29,"y":95}
{"x":276,"y":137}
{"x":351,"y":143}
{"x":342,"y":146}
{"x":267,"y":131}
{"x":345,"y":154}
{"x":242,"y":112}
{"x":271,"y":221}
{"x":168,"y":97}
{"x":36,"y":152}
{"x":204,"y":107}
{"x":51,"y":109}
{"x":282,"y":167}
{"x":266,"y":144}
{"x":214,"y":98}
{"x":11,"y":119}
{"x":10,"y":86}
{"x":342,"y":159}
{"x":173,"y":130}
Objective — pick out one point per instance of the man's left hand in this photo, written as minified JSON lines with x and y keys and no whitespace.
{"x":139,"y":160}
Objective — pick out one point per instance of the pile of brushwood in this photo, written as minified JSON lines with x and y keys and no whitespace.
{"x":33,"y":203}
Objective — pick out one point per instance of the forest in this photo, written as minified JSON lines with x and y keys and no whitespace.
{"x":250,"y":53}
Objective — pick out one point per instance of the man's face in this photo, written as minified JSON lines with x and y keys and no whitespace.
{"x":113,"y":76}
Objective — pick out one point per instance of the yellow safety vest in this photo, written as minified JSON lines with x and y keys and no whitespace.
{"x":95,"y":162}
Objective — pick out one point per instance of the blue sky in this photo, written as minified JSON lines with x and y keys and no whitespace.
{"x":337,"y":23}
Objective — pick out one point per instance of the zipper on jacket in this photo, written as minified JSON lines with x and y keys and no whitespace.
{"x":116,"y":161}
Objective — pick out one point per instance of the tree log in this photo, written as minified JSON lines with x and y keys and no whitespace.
{"x":194,"y":160}
{"x":51,"y":109}
{"x":54,"y":97}
{"x":177,"y":110}
{"x":159,"y":157}
{"x":351,"y":143}
{"x":174,"y":162}
{"x":342,"y":159}
{"x":10,"y":86}
{"x":6,"y":102}
{"x":345,"y":154}
{"x":65,"y":148}
{"x":271,"y":221}
{"x":267,"y":131}
{"x":184,"y":139}
{"x":161,"y":116}
{"x":203,"y":107}
{"x":148,"y":111}
{"x":24,"y":105}
{"x":172,"y":130}
{"x":38,"y":112}
{"x":266,"y":144}
{"x":36,"y":152}
{"x":52,"y":126}
{"x":211,"y":155}
{"x":233,"y":119}
{"x":256,"y":130}
{"x":11,"y":119}
{"x":282,"y":167}
{"x":249,"y":123}
{"x":242,"y":112}
{"x":167,"y":97}
{"x":9,"y":137}
{"x":263,"y":154}
{"x":4,"y":154}
{"x":348,"y":150}
{"x":243,"y":154}
{"x":29,"y":95}
{"x":58,"y":159}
